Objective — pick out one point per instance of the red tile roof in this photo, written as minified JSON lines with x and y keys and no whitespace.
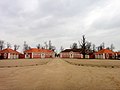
{"x":73,"y":50}
{"x":38,"y":50}
{"x":32,"y":50}
{"x":8,"y":50}
{"x":105,"y":51}
{"x":46,"y":50}
{"x":117,"y":53}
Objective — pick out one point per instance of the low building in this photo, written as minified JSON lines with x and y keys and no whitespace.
{"x":9,"y":54}
{"x":71,"y":53}
{"x":39,"y":53}
{"x":91,"y":55}
{"x":117,"y":55}
{"x":21,"y":56}
{"x":105,"y":54}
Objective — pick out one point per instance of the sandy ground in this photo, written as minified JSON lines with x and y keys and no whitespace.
{"x":92,"y":62}
{"x":22,"y":62}
{"x":58,"y":74}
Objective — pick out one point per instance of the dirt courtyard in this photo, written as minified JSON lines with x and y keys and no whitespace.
{"x":57,"y":74}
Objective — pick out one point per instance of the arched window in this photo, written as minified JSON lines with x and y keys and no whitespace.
{"x":5,"y":55}
{"x":107,"y":56}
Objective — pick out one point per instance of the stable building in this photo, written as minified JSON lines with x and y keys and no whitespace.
{"x":9,"y":54}
{"x":71,"y":53}
{"x":105,"y":54}
{"x":39,"y":53}
{"x":117,"y":55}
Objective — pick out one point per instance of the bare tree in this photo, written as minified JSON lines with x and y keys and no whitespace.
{"x":108,"y":48}
{"x":112,"y":47}
{"x":38,"y":46}
{"x":53,"y":48}
{"x":83,"y":45}
{"x":8,"y":45}
{"x":46,"y":45}
{"x":102,"y":46}
{"x":2,"y":44}
{"x":93,"y":47}
{"x":88,"y":45}
{"x":99,"y":48}
{"x":74,"y":46}
{"x":50,"y":45}
{"x":89,"y":48}
{"x":61,"y":48}
{"x":29,"y":47}
{"x":25,"y":46}
{"x":16,"y":47}
{"x":42,"y":47}
{"x":71,"y":46}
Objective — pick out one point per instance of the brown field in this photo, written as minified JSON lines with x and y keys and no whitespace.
{"x":58,"y":74}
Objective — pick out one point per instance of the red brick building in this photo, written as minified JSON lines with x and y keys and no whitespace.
{"x":117,"y":55}
{"x":105,"y":54}
{"x":9,"y":54}
{"x":39,"y":53}
{"x":71,"y":53}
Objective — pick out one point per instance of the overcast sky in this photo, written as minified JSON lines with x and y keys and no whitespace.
{"x":61,"y":21}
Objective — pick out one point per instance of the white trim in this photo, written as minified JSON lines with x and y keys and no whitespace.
{"x":32,"y":54}
{"x":107,"y":55}
{"x":113,"y":56}
{"x":5,"y":55}
{"x":103,"y":56}
{"x":42,"y":55}
{"x":8,"y":55}
{"x":60,"y":55}
{"x":71,"y":54}
{"x":53,"y":55}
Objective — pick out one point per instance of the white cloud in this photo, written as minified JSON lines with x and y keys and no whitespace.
{"x":62,"y":21}
{"x":29,"y":5}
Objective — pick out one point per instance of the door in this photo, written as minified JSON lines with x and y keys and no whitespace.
{"x":71,"y":55}
{"x":43,"y":55}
